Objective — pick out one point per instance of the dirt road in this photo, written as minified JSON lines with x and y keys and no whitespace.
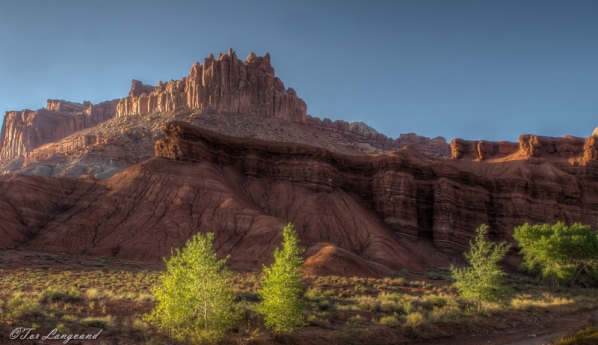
{"x":534,"y":332}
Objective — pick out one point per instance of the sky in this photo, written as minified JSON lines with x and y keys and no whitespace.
{"x":459,"y":69}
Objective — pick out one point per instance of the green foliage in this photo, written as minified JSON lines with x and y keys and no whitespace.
{"x":282,"y":306}
{"x":483,"y":280}
{"x":194,"y":298}
{"x":561,"y":254}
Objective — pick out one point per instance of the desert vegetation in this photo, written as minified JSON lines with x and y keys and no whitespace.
{"x":119,"y":297}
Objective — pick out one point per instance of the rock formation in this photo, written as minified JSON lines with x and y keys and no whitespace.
{"x":139,"y":89}
{"x":481,"y":149}
{"x":415,"y":195}
{"x":23,"y":131}
{"x":226,"y":84}
{"x":136,"y":186}
{"x":435,"y":147}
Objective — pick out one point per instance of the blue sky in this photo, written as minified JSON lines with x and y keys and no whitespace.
{"x":469,"y":69}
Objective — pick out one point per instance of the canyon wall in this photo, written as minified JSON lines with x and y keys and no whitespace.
{"x":416,"y":195}
{"x":529,"y":145}
{"x":23,"y":131}
{"x":225,"y":84}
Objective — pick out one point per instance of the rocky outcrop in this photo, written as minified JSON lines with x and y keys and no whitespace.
{"x":140,"y":89}
{"x":538,"y":146}
{"x":529,"y":145}
{"x":61,"y":147}
{"x":23,"y":131}
{"x":481,"y":149}
{"x":415,"y":195}
{"x":437,"y":147}
{"x":226,"y":84}
{"x":361,"y":132}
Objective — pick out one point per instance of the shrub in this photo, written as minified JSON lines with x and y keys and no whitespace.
{"x":92,"y":293}
{"x":368,"y":303}
{"x":98,"y":321}
{"x":483,"y":280}
{"x":282,"y":306}
{"x":194,"y":298}
{"x":356,"y":320}
{"x":62,"y":329}
{"x":314,"y":295}
{"x":389,"y":320}
{"x":69,"y":318}
{"x":415,"y":319}
{"x":559,"y":253}
{"x":15,"y":302}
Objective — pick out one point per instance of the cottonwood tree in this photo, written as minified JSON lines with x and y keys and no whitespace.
{"x":194,"y":298}
{"x":483,"y":280}
{"x":560,"y":254}
{"x":282,"y":306}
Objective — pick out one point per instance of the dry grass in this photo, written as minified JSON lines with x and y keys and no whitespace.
{"x":116,"y":299}
{"x":588,"y":336}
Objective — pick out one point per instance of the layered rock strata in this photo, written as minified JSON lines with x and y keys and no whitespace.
{"x":481,"y":149}
{"x":23,"y":131}
{"x":436,"y":147}
{"x":413,"y":194}
{"x":225,"y":84}
{"x":529,"y":145}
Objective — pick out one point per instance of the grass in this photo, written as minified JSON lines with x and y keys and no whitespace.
{"x":98,"y":321}
{"x":588,"y":336}
{"x":115,"y":299}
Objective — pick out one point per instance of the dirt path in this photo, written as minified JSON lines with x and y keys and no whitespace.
{"x":535,"y":332}
{"x":542,"y":339}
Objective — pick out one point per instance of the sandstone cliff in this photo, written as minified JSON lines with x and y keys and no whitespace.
{"x":369,"y":211}
{"x":225,"y":84}
{"x":416,"y":195}
{"x":361,"y":133}
{"x":23,"y":131}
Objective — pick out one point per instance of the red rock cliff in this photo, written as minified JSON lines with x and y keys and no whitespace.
{"x":416,"y":195}
{"x":23,"y":131}
{"x":435,"y":147}
{"x":225,"y":84}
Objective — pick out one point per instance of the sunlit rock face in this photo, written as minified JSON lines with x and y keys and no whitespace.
{"x":225,"y":84}
{"x":23,"y":131}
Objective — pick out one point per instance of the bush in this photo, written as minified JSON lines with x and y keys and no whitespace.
{"x":314,"y":295}
{"x":562,"y":255}
{"x":282,"y":306}
{"x":194,"y":298}
{"x":415,"y":319}
{"x":390,"y":321}
{"x":98,"y":321}
{"x":356,"y":320}
{"x":92,"y":293}
{"x":483,"y":280}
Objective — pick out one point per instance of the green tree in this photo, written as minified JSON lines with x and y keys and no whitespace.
{"x":483,"y":280}
{"x":282,"y":306}
{"x":560,"y":254}
{"x":194,"y":300}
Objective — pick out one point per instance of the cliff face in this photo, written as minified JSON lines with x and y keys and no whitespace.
{"x":416,"y":195}
{"x":23,"y":131}
{"x":529,"y":145}
{"x":245,"y":190}
{"x":437,"y":147}
{"x":481,"y":149}
{"x":225,"y":84}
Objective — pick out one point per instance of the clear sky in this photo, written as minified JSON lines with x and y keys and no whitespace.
{"x":469,"y":69}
